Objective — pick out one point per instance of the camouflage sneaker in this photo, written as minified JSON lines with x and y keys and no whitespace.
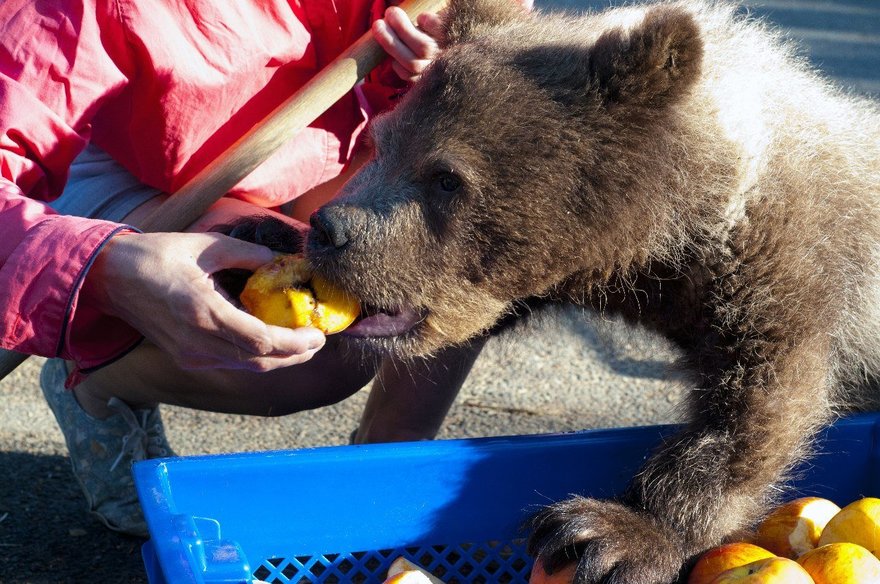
{"x":102,"y":451}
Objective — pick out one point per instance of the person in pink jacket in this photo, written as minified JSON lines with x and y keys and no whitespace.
{"x":106,"y":106}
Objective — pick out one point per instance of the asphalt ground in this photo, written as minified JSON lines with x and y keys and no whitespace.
{"x":563,"y":371}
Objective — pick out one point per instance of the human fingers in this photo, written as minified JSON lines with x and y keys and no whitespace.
{"x":422,"y":44}
{"x":221,"y":252}
{"x":253,"y":336}
{"x":214,"y":334}
{"x":411,"y":49}
{"x":395,"y":48}
{"x":224,"y":356}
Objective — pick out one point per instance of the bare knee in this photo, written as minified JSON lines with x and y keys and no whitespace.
{"x":326,"y":379}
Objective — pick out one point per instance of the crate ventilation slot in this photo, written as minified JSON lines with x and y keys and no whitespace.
{"x":492,"y":562}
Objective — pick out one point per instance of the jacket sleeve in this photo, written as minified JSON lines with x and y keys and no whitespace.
{"x":56,"y":69}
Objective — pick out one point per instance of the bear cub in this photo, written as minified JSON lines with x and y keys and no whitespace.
{"x":674,"y":163}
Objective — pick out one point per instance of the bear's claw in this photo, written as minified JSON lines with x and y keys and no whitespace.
{"x":611,"y":543}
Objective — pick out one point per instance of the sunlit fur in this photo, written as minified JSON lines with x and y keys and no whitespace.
{"x":676,"y":163}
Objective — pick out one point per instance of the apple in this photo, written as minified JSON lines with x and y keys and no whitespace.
{"x":724,"y":557}
{"x":408,"y":577}
{"x":402,"y":571}
{"x":841,"y":563}
{"x":794,"y":528}
{"x":858,"y":522}
{"x":563,"y":576}
{"x":775,"y":570}
{"x":285,"y":293}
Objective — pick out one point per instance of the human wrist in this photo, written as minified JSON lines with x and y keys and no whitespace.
{"x":96,"y":288}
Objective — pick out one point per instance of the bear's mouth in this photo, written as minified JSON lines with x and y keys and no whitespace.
{"x":385,"y":322}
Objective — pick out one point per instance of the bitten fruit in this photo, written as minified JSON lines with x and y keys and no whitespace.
{"x":793,"y":529}
{"x":284,"y":292}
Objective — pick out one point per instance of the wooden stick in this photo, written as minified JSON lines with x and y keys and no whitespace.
{"x":262,"y":140}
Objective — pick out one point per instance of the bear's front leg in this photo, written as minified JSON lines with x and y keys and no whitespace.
{"x":750,"y":423}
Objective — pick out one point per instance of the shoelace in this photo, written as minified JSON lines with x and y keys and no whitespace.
{"x":144,"y":440}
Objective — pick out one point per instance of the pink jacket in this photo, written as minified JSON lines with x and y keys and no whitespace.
{"x":163,"y":87}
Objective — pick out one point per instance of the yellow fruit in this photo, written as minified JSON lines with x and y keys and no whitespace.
{"x":794,"y":528}
{"x":858,"y":522}
{"x":773,"y":570}
{"x":724,"y":557}
{"x":408,"y":577}
{"x":285,"y":293}
{"x":841,"y":563}
{"x":402,"y":571}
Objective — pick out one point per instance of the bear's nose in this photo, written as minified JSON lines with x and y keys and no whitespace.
{"x":328,"y":226}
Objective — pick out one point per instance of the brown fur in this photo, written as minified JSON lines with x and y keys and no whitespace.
{"x":670,"y":163}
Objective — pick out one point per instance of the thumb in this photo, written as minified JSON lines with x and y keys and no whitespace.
{"x":227,"y":252}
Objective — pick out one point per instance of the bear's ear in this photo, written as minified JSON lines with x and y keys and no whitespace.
{"x":463,"y":19}
{"x":652,"y":64}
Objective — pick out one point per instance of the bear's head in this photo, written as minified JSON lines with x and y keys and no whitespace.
{"x":537,"y":151}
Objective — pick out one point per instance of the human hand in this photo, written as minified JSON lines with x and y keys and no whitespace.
{"x":413,"y":46}
{"x":161,"y":284}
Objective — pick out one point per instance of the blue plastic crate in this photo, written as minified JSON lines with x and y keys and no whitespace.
{"x":342,"y":514}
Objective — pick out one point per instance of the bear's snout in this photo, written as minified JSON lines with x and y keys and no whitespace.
{"x":331,"y":226}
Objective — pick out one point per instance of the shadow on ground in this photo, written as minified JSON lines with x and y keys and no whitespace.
{"x":48,"y":537}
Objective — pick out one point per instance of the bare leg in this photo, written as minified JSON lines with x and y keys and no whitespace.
{"x":147,"y":376}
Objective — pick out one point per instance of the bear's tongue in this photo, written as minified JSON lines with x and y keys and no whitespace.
{"x":385,"y":324}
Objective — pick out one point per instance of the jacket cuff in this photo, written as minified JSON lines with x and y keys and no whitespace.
{"x":45,"y":273}
{"x":90,"y":337}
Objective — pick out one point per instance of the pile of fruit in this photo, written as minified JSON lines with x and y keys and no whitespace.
{"x":805,"y":541}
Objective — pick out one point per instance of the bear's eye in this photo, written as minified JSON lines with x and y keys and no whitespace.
{"x":447,"y":182}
